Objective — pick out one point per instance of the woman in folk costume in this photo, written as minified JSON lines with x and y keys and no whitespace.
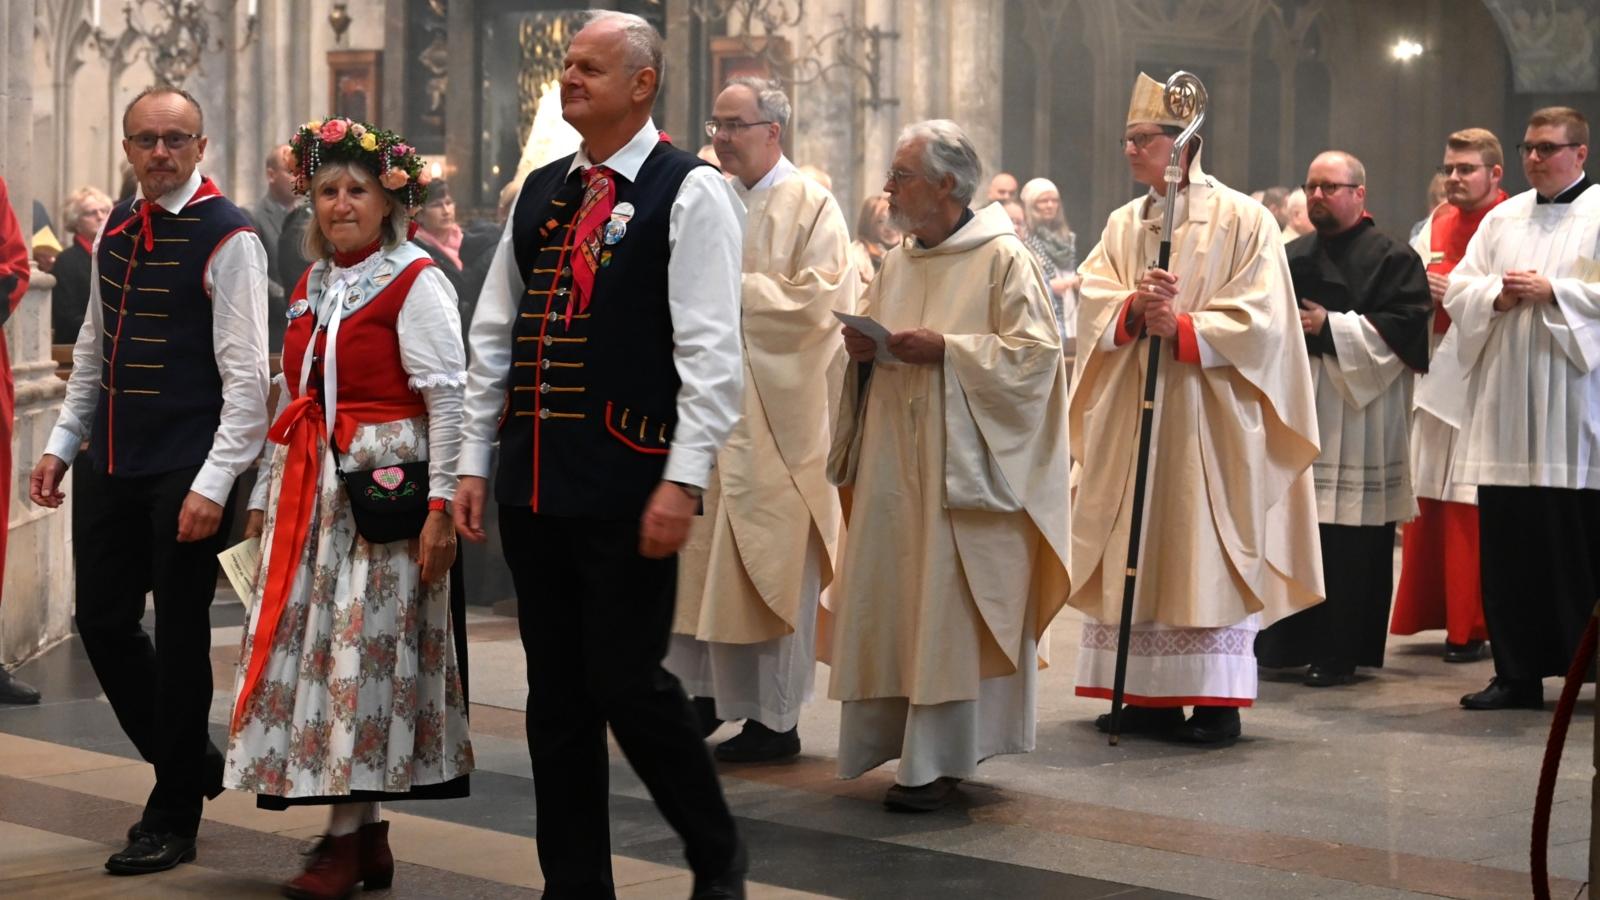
{"x":351,"y":673}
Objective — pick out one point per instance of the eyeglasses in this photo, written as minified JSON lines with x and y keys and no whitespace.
{"x":1544,"y":149}
{"x":1139,"y":140}
{"x":174,"y":141}
{"x":732,"y":126}
{"x":899,"y":176}
{"x":1326,"y":189}
{"x":1462,"y":169}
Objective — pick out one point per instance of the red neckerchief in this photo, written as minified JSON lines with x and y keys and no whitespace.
{"x":146,"y":207}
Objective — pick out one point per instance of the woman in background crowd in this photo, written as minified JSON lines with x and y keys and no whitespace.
{"x":81,"y":219}
{"x":1054,"y":245}
{"x":874,"y":237}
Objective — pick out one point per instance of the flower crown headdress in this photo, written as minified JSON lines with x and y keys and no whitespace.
{"x":383,"y":153}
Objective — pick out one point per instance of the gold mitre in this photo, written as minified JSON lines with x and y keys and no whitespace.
{"x":1148,"y":106}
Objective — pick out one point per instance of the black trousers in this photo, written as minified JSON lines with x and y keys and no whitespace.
{"x":1350,"y":627}
{"x":595,"y":618}
{"x":124,"y":544}
{"x":1540,"y":556}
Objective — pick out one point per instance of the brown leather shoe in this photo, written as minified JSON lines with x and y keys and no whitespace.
{"x":332,"y":872}
{"x":377,"y":863}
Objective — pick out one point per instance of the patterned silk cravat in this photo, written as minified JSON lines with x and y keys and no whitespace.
{"x":598,"y":197}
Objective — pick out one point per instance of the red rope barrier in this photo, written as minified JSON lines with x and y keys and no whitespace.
{"x":1539,"y":845}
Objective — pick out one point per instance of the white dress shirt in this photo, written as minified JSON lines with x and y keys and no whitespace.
{"x":236,"y":280}
{"x":705,"y":234}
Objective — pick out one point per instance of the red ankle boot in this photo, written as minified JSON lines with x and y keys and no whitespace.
{"x":377,"y":863}
{"x":332,"y":873}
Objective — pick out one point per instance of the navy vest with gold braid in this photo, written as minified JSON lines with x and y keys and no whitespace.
{"x":160,"y":392}
{"x":591,"y":400}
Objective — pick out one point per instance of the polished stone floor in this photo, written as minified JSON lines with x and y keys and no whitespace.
{"x":1380,"y":789}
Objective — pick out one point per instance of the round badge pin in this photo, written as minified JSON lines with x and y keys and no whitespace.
{"x":622,"y":211}
{"x":383,"y":275}
{"x":616,"y":230}
{"x":354,"y":300}
{"x":299,"y":308}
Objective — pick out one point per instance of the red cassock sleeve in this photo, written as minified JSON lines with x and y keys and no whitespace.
{"x":1187,"y":347}
{"x":1127,"y":331}
{"x":13,"y":248}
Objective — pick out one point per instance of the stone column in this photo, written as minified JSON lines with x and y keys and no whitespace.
{"x":36,"y":605}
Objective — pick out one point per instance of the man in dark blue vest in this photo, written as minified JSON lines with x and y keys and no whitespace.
{"x":169,"y":388}
{"x":606,"y":359}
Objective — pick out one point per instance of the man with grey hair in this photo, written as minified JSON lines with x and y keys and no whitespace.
{"x":758,"y":559}
{"x":952,"y":433}
{"x":606,"y":361}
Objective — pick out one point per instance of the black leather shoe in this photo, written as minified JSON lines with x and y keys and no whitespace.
{"x":17,"y":692}
{"x":727,"y":886}
{"x":1209,"y":725}
{"x":1507,"y":693}
{"x":936,"y":794}
{"x":758,"y":743}
{"x":135,"y":830}
{"x":150,"y":852}
{"x":1143,"y":720}
{"x":1471,"y":651}
{"x":1329,"y":676}
{"x":705,"y":709}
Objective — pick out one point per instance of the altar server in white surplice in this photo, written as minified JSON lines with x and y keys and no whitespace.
{"x":750,"y":574}
{"x":1525,"y":308}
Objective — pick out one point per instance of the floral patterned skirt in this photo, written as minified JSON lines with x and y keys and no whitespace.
{"x":361,"y":693}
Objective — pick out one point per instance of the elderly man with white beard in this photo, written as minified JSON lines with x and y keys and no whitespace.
{"x":953,"y":434}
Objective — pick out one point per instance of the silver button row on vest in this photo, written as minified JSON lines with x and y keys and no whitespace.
{"x":544,"y":413}
{"x":548,"y":340}
{"x":544,"y":388}
{"x":544,"y":363}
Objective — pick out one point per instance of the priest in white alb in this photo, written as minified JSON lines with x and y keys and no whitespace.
{"x":1525,"y":310}
{"x":756,"y":560}
{"x":1229,"y":541}
{"x":953,"y":433}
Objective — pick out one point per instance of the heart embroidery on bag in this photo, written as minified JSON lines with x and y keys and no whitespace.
{"x":390,"y":478}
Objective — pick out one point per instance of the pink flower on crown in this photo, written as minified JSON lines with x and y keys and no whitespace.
{"x":424,"y":177}
{"x":394,"y":179}
{"x":358,"y":129}
{"x":333,"y":130}
{"x":399,"y":150}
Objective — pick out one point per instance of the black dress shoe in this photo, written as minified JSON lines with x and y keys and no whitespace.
{"x":727,"y":886}
{"x":1209,"y":725}
{"x":1143,"y":720}
{"x":758,"y":743}
{"x":705,"y":709}
{"x":1329,"y":676}
{"x":16,"y":692}
{"x":1471,"y":651}
{"x":1507,"y":693}
{"x":936,"y":794}
{"x":151,"y":852}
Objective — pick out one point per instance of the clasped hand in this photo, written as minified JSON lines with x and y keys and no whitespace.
{"x":917,"y":346}
{"x":1152,"y":299}
{"x":1523,"y":286}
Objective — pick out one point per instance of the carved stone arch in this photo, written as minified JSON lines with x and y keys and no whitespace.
{"x":1554,"y":45}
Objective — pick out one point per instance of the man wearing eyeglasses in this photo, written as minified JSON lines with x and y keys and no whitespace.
{"x":1230,"y":539}
{"x":1524,"y":305}
{"x":1440,"y":583}
{"x":169,"y":387}
{"x":749,"y":577}
{"x":1364,"y":309}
